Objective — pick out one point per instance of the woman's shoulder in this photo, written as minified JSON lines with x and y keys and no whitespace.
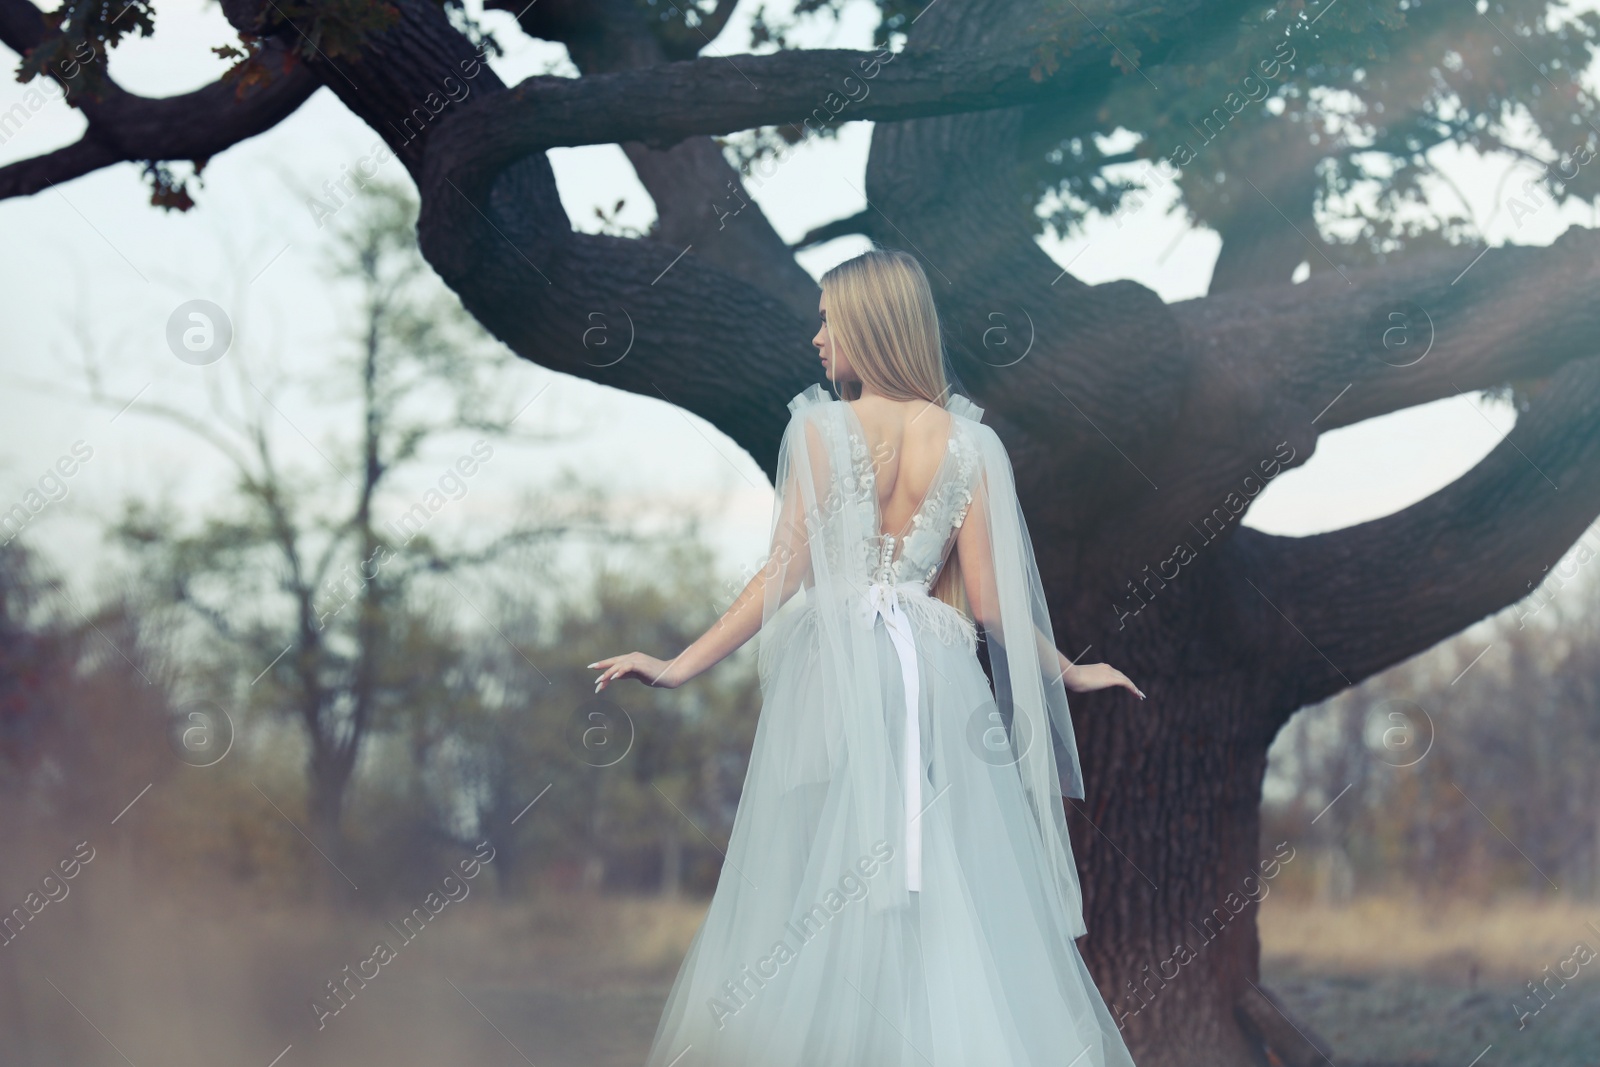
{"x":814,"y":418}
{"x":816,"y":407}
{"x":824,"y":418}
{"x":811,"y":397}
{"x":964,"y":407}
{"x":816,"y":397}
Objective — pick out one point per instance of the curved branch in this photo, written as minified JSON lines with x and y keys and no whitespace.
{"x":860,"y":222}
{"x":1343,"y":349}
{"x":28,"y":176}
{"x":1368,"y":596}
{"x":22,"y":25}
{"x":1278,"y":366}
{"x":124,"y":126}
{"x":702,"y":201}
{"x":700,"y":197}
{"x":660,"y":106}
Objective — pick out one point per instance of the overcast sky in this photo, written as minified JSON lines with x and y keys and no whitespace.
{"x":90,"y":267}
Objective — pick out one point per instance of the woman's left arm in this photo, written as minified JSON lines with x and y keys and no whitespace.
{"x":1087,"y":677}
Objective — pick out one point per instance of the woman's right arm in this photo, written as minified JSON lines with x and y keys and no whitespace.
{"x":786,"y":567}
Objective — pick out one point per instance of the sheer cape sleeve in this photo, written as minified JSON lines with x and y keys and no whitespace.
{"x":1027,"y":676}
{"x":1028,"y":686}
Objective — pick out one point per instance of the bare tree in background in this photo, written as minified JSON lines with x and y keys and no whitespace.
{"x":309,"y":587}
{"x":1467,"y":771}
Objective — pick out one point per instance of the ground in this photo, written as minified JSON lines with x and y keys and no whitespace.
{"x":117,"y":973}
{"x":1389,"y":981}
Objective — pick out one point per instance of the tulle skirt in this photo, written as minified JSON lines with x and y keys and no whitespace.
{"x":791,"y":968}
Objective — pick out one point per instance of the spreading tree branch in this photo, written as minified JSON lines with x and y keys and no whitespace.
{"x":124,"y":126}
{"x":1368,"y":596}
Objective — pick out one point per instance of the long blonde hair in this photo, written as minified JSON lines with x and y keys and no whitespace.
{"x":881,"y":315}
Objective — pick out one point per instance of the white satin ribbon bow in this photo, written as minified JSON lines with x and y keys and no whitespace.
{"x":883,"y":599}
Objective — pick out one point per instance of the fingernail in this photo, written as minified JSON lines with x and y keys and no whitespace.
{"x":590,"y":665}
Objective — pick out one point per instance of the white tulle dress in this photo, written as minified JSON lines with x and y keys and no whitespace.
{"x":898,"y":888}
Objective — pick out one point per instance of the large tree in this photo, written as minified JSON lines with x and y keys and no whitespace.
{"x":1304,"y":135}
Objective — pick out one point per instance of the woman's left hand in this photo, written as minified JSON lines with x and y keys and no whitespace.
{"x":1086,"y":677}
{"x":649,"y":670}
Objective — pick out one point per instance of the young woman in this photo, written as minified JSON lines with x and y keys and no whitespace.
{"x":898,"y":889}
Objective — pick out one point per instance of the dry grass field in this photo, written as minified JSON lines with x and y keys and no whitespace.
{"x":190,"y":977}
{"x":1393,"y":981}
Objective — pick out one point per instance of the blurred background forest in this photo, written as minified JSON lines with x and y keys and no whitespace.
{"x":281,"y":720}
{"x":318,"y":695}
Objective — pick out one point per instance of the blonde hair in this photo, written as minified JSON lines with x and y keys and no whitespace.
{"x":881,"y":316}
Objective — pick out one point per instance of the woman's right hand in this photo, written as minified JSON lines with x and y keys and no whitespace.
{"x":657,"y":673}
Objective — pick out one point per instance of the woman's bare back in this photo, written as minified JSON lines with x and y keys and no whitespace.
{"x":907,"y":440}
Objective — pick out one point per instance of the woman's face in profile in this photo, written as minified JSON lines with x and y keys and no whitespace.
{"x":834,"y":363}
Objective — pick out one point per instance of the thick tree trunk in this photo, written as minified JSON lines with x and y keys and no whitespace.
{"x":15,"y":1031}
{"x":1167,"y":844}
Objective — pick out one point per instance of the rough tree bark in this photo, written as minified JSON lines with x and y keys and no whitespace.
{"x":1139,"y":430}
